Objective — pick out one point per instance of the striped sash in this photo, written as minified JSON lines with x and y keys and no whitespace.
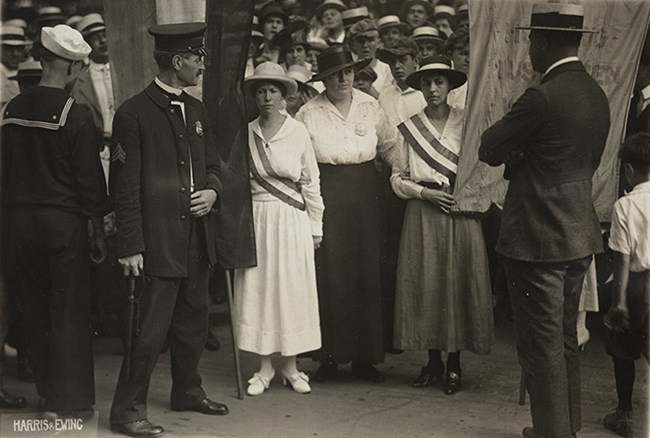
{"x":282,"y":188}
{"x":426,"y":145}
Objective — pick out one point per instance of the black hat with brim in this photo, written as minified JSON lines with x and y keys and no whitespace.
{"x":561,"y":17}
{"x":335,"y":59}
{"x":437,"y":65}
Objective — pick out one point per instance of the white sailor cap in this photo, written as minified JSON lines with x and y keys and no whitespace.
{"x":64,"y":41}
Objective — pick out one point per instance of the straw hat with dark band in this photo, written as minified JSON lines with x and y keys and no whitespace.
{"x":562,"y":17}
{"x":440,"y":65}
{"x":335,"y":59}
{"x":270,"y":72}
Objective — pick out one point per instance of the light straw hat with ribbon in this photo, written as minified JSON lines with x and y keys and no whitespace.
{"x":436,"y":65}
{"x":270,"y":72}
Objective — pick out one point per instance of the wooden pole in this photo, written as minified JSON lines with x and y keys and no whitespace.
{"x":235,"y":350}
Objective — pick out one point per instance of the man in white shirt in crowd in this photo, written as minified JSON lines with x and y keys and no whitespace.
{"x":398,"y":100}
{"x":13,"y":52}
{"x":363,"y":39}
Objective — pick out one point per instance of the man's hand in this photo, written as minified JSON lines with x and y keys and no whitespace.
{"x":317,"y":241}
{"x":617,"y":318}
{"x":97,"y":249}
{"x":202,"y":201}
{"x":133,"y":264}
{"x":437,"y":197}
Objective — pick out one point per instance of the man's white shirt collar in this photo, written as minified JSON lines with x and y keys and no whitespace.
{"x":560,"y":62}
{"x":167,"y":88}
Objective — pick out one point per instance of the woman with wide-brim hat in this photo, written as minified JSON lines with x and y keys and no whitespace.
{"x":443,"y":298}
{"x":348,"y":129}
{"x":276,"y":302}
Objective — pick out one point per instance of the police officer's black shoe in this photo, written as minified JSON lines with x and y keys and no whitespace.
{"x":205,"y":406}
{"x":138,"y":428}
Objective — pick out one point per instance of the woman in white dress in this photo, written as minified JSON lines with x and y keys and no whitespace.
{"x":276,"y":302}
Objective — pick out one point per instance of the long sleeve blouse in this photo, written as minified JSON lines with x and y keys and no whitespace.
{"x":291,"y":156}
{"x":409,"y":169}
{"x":354,"y":139}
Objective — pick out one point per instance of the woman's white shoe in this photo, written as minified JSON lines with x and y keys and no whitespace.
{"x":299,"y":382}
{"x":259,"y":383}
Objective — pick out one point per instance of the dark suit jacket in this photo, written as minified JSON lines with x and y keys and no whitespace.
{"x":150,"y":179}
{"x":83,"y":92}
{"x":551,"y":142}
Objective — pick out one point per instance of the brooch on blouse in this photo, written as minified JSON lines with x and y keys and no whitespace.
{"x":360,"y":130}
{"x":199,"y":128}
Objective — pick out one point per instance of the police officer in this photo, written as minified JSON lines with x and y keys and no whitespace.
{"x":164,"y":181}
{"x":52,"y":182}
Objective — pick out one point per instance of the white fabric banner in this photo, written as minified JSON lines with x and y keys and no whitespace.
{"x":500,"y":71}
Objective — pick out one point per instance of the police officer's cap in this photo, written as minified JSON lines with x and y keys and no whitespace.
{"x":179,"y":37}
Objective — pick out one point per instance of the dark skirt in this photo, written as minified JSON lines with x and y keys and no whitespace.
{"x":443,"y":296}
{"x":348,"y":264}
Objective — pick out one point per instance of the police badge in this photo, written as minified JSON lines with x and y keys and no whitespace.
{"x":360,"y":130}
{"x":199,"y":128}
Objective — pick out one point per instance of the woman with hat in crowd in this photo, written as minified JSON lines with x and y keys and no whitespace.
{"x":276,"y":302}
{"x":443,"y":298}
{"x":348,"y":130}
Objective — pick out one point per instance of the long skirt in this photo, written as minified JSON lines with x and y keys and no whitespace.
{"x":348,"y":264}
{"x":276,"y":302}
{"x":443,"y":297}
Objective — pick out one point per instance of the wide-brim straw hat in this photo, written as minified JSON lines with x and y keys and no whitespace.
{"x":270,"y":72}
{"x":562,"y":17}
{"x":335,"y":59}
{"x":437,"y":65}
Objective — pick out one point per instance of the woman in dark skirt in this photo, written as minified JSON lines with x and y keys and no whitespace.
{"x":443,"y":298}
{"x":348,"y":129}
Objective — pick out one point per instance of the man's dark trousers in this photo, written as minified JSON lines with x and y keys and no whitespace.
{"x":545,"y":298}
{"x":176,"y":307}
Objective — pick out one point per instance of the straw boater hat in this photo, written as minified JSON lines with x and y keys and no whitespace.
{"x":437,"y":65}
{"x":407,"y":5}
{"x":352,"y":16}
{"x":270,"y":72}
{"x":90,"y":24}
{"x":49,"y":15}
{"x":334,"y":59}
{"x":301,"y":75}
{"x":429,"y":33}
{"x":13,"y":36}
{"x":558,"y":17}
{"x":73,"y":21}
{"x":329,"y":4}
{"x":65,"y":42}
{"x":389,"y":21}
{"x":442,"y":11}
{"x":16,"y":22}
{"x":28,"y":69}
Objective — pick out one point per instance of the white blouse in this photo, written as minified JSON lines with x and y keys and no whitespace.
{"x":291,"y":156}
{"x":354,"y":139}
{"x":410,"y":169}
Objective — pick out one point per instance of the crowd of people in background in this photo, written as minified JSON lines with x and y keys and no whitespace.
{"x":356,"y":113}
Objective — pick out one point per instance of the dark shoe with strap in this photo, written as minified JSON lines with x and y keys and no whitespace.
{"x":205,"y":406}
{"x":452,"y":382}
{"x":138,"y":428}
{"x":8,"y":401}
{"x":427,"y":377}
{"x":326,"y":371}
{"x":367,"y":371}
{"x":620,"y":422}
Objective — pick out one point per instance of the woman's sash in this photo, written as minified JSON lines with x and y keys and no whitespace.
{"x":282,"y":188}
{"x":425,"y":144}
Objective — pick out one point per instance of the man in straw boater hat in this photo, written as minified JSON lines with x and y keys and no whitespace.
{"x":391,"y":29}
{"x":13,"y":51}
{"x":165,"y":179}
{"x":52,"y":185}
{"x":551,"y":143}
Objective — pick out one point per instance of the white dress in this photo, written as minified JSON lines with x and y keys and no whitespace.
{"x":276,"y":303}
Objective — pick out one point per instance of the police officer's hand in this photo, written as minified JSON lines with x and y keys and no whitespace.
{"x":202,"y":201}
{"x":133,"y":264}
{"x":97,"y":249}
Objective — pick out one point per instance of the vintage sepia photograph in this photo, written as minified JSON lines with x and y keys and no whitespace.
{"x":324,"y":218}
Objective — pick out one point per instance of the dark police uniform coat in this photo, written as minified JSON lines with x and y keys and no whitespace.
{"x":150,"y":179}
{"x":52,"y":181}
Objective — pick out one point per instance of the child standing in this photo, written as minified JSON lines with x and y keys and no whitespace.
{"x":627,"y":318}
